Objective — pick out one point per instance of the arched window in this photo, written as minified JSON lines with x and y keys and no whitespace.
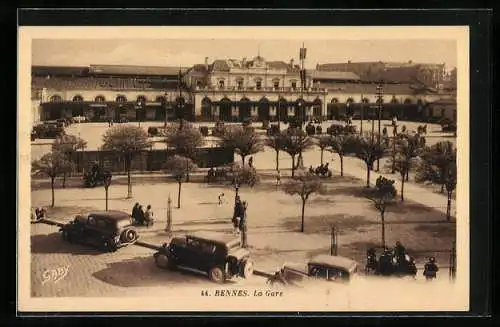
{"x":335,"y":100}
{"x":276,"y":83}
{"x":239,"y":83}
{"x":141,"y":99}
{"x":77,"y":98}
{"x":408,"y":101}
{"x":258,"y":83}
{"x":99,"y":98}
{"x":121,"y":99}
{"x":365,"y":100}
{"x":350,"y":100}
{"x":160,"y":99}
{"x":394,"y":100}
{"x":55,"y":98}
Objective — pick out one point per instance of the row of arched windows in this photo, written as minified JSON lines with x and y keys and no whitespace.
{"x":101,"y":98}
{"x":394,"y":100}
{"x":207,"y":101}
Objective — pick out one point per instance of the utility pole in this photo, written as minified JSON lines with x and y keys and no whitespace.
{"x":362,"y":116}
{"x":302,"y":57}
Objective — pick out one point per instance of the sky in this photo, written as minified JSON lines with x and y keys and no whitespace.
{"x":185,"y":53}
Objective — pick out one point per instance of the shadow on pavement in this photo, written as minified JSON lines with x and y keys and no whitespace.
{"x":53,"y":243}
{"x":142,"y":272}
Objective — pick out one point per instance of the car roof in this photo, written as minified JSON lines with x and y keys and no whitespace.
{"x":216,"y":237}
{"x":111,"y":215}
{"x":334,"y":261}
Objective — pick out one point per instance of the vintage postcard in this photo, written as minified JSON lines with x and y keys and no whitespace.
{"x":244,"y":169}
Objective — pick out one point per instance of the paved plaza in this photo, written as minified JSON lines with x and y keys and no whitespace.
{"x":273,"y":222}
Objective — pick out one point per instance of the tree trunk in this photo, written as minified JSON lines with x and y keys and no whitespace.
{"x":407,"y":175}
{"x":52,"y":179}
{"x":341,"y":165}
{"x":303,"y":210}
{"x":448,"y":207}
{"x":293,"y":166}
{"x":402,"y":187}
{"x":368,"y":168}
{"x":64,"y":181}
{"x":243,"y":160}
{"x":179,"y":196}
{"x":383,"y":227}
{"x":277,"y":160}
{"x":322,"y":150}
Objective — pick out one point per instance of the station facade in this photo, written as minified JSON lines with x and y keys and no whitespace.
{"x":228,"y":90}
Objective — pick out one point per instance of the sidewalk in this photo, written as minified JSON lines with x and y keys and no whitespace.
{"x":356,"y":168}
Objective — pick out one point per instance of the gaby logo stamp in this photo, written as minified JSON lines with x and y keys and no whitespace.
{"x":54,"y":275}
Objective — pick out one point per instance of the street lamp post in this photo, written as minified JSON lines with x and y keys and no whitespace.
{"x":394,"y":133}
{"x":380,"y":99}
{"x":107,"y":183}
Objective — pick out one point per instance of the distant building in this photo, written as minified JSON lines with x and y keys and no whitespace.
{"x":235,"y":90}
{"x":443,"y":108}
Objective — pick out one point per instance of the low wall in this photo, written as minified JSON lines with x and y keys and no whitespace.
{"x":151,"y":160}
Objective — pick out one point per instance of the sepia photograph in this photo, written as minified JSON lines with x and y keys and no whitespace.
{"x":243,"y":169}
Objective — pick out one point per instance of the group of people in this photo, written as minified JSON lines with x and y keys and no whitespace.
{"x":322,"y":170}
{"x":399,"y":255}
{"x":141,"y":217}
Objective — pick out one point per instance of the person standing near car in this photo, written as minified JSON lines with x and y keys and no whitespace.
{"x":148,"y":215}
{"x":140,"y":215}
{"x":135,"y":211}
{"x":237,"y":215}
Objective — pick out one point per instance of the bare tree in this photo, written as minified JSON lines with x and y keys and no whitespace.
{"x":303,"y":185}
{"x":244,"y":140}
{"x":127,"y":141}
{"x":68,"y":145}
{"x":179,"y":167}
{"x":382,"y":196}
{"x":368,"y":149}
{"x":294,"y":142}
{"x":52,"y":164}
{"x":341,"y":144}
{"x":185,"y":139}
{"x":323,"y":142}
{"x":276,"y":143}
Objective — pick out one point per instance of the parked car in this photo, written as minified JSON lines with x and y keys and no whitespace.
{"x":107,"y":230}
{"x":323,"y":267}
{"x":218,"y":255}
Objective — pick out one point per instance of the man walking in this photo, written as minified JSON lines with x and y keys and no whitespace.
{"x":237,"y":215}
{"x":148,"y":216}
{"x":221,"y":198}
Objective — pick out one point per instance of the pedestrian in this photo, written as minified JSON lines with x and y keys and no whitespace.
{"x":250,"y":162}
{"x":399,"y":252}
{"x":430,"y":269}
{"x":278,"y":178}
{"x":140,"y":215}
{"x":135,"y":211}
{"x":221,"y":198}
{"x":238,"y":211}
{"x":148,"y":216}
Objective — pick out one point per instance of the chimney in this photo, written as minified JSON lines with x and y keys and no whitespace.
{"x":291,"y":62}
{"x":206,"y":63}
{"x":348,"y":61}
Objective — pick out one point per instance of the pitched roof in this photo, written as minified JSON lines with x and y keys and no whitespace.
{"x":334,"y":75}
{"x":135,"y":70}
{"x":57,"y":70}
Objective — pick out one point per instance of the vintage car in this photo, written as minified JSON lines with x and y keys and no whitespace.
{"x":324,"y":267}
{"x":108,"y":230}
{"x":218,"y":255}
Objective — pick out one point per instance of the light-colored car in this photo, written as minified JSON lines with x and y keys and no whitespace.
{"x":79,"y":119}
{"x":323,"y":267}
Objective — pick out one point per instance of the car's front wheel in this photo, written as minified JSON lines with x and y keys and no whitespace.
{"x":128,"y":236}
{"x":162,"y":261}
{"x":246,"y":269}
{"x":216,"y":275}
